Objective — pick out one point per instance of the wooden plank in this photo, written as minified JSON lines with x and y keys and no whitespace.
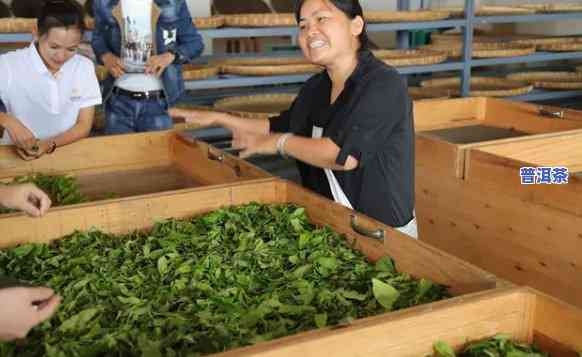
{"x":437,"y":114}
{"x":210,"y":165}
{"x":513,"y":239}
{"x":409,"y":333}
{"x":524,"y":117}
{"x":410,"y":255}
{"x":125,"y":183}
{"x":560,"y":322}
{"x":115,"y":216}
{"x":91,"y":153}
{"x":501,"y":175}
{"x":438,"y":156}
{"x":559,"y":150}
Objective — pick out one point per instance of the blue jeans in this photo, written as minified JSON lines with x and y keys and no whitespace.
{"x":126,"y":115}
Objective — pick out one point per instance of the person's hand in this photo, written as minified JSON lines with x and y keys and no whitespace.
{"x":23,"y":308}
{"x":26,"y":197}
{"x":198,"y":117}
{"x":254,"y":144}
{"x":157,"y":64}
{"x":38,"y":149}
{"x":20,"y":135}
{"x":113,"y":64}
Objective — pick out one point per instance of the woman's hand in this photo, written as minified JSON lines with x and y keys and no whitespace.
{"x":254,"y":144}
{"x":38,"y":149}
{"x":20,"y":135}
{"x":23,"y":308}
{"x":199,"y":117}
{"x":26,"y":197}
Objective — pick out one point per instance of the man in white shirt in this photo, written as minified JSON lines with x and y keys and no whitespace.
{"x":47,"y":90}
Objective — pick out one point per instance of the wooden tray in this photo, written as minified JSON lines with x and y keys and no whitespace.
{"x":270,"y":70}
{"x":553,"y":8}
{"x":405,"y":16}
{"x":540,"y":42}
{"x":210,"y":22}
{"x":485,"y":49}
{"x":260,"y":61}
{"x":413,"y":57}
{"x":260,"y":20}
{"x":260,"y":106}
{"x":550,"y":79}
{"x":135,"y":164}
{"x":422,"y":93}
{"x":491,"y":11}
{"x":574,"y":44}
{"x":525,"y":314}
{"x":481,"y":86}
{"x":473,"y":205}
{"x":193,"y":72}
{"x":17,"y":25}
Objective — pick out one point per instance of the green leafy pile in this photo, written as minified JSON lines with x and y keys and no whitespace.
{"x":496,"y":346}
{"x":62,"y":190}
{"x":233,"y":277}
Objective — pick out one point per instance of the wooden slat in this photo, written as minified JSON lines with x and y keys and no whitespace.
{"x":436,"y":114}
{"x":92,"y":154}
{"x":409,"y":333}
{"x":524,"y":117}
{"x":439,"y":156}
{"x":559,"y":150}
{"x":559,"y":323}
{"x":199,"y":160}
{"x":500,"y":174}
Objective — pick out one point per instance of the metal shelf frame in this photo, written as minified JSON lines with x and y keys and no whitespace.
{"x":464,"y":66}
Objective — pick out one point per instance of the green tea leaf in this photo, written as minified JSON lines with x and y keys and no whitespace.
{"x":443,"y":349}
{"x":385,"y":294}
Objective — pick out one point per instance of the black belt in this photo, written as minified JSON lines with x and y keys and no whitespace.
{"x":152,"y":94}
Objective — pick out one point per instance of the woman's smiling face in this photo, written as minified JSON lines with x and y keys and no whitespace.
{"x":326,"y":33}
{"x":58,"y":46}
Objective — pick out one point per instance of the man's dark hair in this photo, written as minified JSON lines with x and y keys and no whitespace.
{"x":351,"y":8}
{"x":60,"y":13}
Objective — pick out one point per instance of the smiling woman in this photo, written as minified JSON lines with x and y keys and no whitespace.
{"x":350,"y":127}
{"x":49,"y":92}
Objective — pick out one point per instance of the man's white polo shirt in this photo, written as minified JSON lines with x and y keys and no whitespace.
{"x":46,"y":104}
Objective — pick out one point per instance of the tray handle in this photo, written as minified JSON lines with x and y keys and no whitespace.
{"x":377,"y":234}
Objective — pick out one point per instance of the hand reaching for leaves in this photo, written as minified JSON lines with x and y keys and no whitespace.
{"x":23,"y":308}
{"x":25,"y":197}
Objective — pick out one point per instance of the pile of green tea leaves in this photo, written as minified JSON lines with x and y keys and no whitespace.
{"x":62,"y":190}
{"x":496,"y":346}
{"x":233,"y":277}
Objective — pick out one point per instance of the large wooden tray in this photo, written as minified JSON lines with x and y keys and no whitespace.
{"x":135,"y":164}
{"x":524,"y":314}
{"x":470,"y":201}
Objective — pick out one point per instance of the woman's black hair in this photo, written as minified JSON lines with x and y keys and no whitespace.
{"x":88,"y":7}
{"x":4,"y":10}
{"x":351,"y":8}
{"x":27,"y":8}
{"x":60,"y":13}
